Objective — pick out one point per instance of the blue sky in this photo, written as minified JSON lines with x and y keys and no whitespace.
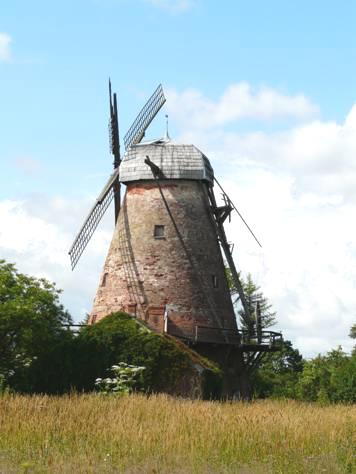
{"x":54,"y":97}
{"x":264,"y":88}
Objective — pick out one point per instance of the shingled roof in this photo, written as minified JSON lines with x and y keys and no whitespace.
{"x":175,"y":161}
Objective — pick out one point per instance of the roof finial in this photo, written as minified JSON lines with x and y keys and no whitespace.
{"x":167,"y":137}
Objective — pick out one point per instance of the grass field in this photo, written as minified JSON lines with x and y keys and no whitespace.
{"x":159,"y":434}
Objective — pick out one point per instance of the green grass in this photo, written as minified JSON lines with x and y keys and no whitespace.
{"x":160,"y":434}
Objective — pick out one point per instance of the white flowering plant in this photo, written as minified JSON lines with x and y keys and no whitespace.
{"x":122,"y":381}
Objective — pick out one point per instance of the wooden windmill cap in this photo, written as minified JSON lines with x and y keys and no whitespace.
{"x":176,"y":161}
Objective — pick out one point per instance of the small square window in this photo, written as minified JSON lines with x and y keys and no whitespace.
{"x":215,"y":281}
{"x":158,"y":232}
{"x":103,"y":281}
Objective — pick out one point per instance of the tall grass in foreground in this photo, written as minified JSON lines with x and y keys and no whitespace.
{"x":159,"y":434}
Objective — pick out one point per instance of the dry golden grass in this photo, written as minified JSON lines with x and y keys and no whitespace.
{"x":159,"y":434}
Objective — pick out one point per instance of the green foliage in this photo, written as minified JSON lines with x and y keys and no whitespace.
{"x":329,"y":378}
{"x":230,"y":282}
{"x":344,"y":381}
{"x":3,"y":385}
{"x":75,"y":361}
{"x":353,"y":336}
{"x":122,"y":381}
{"x":326,"y":378}
{"x":253,"y":295}
{"x":121,"y":337}
{"x":31,"y":319}
{"x":278,"y":373}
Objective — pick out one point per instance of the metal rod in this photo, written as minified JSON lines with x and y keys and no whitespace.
{"x":233,"y":205}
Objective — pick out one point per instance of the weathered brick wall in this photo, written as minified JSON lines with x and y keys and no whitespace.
{"x":143,"y":275}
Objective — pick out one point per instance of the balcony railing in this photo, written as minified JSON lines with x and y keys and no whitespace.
{"x":246,"y":339}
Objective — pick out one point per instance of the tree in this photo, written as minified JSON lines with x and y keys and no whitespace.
{"x":353,"y":336}
{"x":31,"y":320}
{"x":329,"y":378}
{"x":344,"y":381}
{"x":253,"y":295}
{"x":278,"y":373}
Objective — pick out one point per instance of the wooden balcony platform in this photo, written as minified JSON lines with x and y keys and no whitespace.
{"x":264,"y":341}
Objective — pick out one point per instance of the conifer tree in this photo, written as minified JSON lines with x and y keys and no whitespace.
{"x":253,"y":295}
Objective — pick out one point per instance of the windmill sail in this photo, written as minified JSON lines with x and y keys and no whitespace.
{"x":144,"y":118}
{"x":112,"y":188}
{"x":93,"y":219}
{"x":114,"y":139}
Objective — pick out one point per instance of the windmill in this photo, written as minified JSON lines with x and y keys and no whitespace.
{"x":165,"y":264}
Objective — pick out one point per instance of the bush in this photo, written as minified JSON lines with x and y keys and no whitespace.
{"x":75,"y":361}
{"x":278,"y":373}
{"x":329,"y":378}
{"x":119,"y":337}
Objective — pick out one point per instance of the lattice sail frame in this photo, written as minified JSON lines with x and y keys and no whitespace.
{"x":92,"y":221}
{"x":137,"y":130}
{"x":134,"y":135}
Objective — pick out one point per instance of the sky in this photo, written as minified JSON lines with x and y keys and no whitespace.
{"x":265,"y":89}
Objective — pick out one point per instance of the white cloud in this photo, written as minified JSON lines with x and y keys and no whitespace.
{"x":173,"y":6}
{"x":307,"y":266}
{"x":36,"y":234}
{"x":239,"y":101}
{"x":319,"y":155}
{"x":5,"y":51}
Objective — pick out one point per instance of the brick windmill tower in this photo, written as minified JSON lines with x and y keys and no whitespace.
{"x":165,"y":263}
